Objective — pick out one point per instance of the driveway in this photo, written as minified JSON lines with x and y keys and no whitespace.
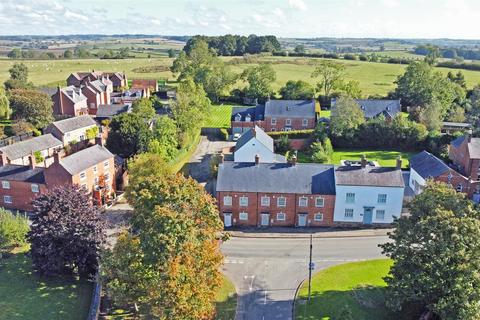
{"x":199,"y":164}
{"x":266,"y":272}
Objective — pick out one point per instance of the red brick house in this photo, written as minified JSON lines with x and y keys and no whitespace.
{"x":464,"y":152}
{"x":97,"y":92}
{"x":275,"y":194}
{"x":69,"y":101}
{"x":150,"y":84}
{"x":118,"y":79}
{"x":275,"y":115}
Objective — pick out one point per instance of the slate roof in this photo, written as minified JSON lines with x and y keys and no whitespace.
{"x":473,"y":146}
{"x":22,"y":173}
{"x":427,"y":165}
{"x":303,"y":178}
{"x":256,"y":113}
{"x":74,"y":123}
{"x":374,"y":107}
{"x":290,"y":108}
{"x":111,"y":110}
{"x":258,"y":133}
{"x":369,"y":176}
{"x":98,"y":85}
{"x":74,"y":94}
{"x":24,"y":148}
{"x":85,"y":159}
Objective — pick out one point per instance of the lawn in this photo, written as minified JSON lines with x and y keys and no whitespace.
{"x":357,"y":286}
{"x":219,"y":116}
{"x":226,"y":301}
{"x":23,"y":295}
{"x":384,"y":158}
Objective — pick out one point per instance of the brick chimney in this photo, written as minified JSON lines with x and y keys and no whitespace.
{"x":399,"y":163}
{"x":99,"y":140}
{"x":3,"y":159}
{"x":221,"y":158}
{"x":56,"y":157}
{"x":60,"y":100}
{"x":31,"y":161}
{"x":257,"y":159}
{"x":364,"y":161}
{"x":254,"y":132}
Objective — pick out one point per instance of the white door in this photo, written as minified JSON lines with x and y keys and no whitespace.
{"x":302,"y":220}
{"x":227,"y":220}
{"x":265,"y":219}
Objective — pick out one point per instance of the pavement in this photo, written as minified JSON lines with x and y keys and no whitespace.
{"x":306,"y":232}
{"x":267,"y":271}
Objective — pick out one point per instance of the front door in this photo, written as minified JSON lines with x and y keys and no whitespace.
{"x":367,"y":215}
{"x":227,"y":220}
{"x":302,"y":220}
{"x":265,"y":220}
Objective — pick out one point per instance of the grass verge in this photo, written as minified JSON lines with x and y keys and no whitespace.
{"x":26,"y":296}
{"x":357,"y":287}
{"x":184,"y":155}
{"x":226,"y":301}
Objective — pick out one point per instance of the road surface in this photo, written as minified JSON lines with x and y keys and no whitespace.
{"x":267,"y":272}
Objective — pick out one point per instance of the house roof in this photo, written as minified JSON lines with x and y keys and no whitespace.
{"x":111,"y":110}
{"x":144,"y":83}
{"x":456,"y":124}
{"x":86,"y":158}
{"x":256,"y":113}
{"x":24,"y":148}
{"x":427,"y":165}
{"x":73,"y":93}
{"x":374,"y":107}
{"x":369,"y":176}
{"x":22,"y":173}
{"x":473,"y":146}
{"x":74,"y":123}
{"x":257,"y":133}
{"x":290,"y":108}
{"x":97,"y":85}
{"x":303,"y":178}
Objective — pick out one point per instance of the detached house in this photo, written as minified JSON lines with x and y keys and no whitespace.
{"x":69,"y":101}
{"x":97,"y":92}
{"x":150,"y":84}
{"x":72,"y":129}
{"x":275,"y":115}
{"x":373,"y":108}
{"x":19,"y":153}
{"x":256,"y":145}
{"x":118,"y":80}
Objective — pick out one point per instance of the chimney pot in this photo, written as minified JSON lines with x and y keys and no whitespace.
{"x":364,"y":161}
{"x":257,"y":159}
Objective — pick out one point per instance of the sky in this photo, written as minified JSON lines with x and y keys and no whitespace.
{"x":456,"y":19}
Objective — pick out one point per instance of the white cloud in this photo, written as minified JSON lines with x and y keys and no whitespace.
{"x":278,"y":12}
{"x":390,"y":3}
{"x":297,"y":4}
{"x":74,"y":15}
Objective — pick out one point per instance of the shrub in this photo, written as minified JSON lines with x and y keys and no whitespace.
{"x":13,"y":230}
{"x":349,"y":56}
{"x":283,"y":144}
{"x":224,"y":134}
{"x":295,"y":134}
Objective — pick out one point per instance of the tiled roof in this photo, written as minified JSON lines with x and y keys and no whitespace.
{"x":369,"y":176}
{"x":374,"y":107}
{"x":427,"y":165}
{"x":304,"y":178}
{"x":290,"y":108}
{"x":259,"y":134}
{"x":74,"y":123}
{"x":98,"y":85}
{"x":22,"y":173}
{"x":74,"y":94}
{"x":110,"y":110}
{"x":255,"y":113}
{"x":85,"y":159}
{"x":24,"y":148}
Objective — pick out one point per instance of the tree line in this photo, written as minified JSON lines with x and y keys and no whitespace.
{"x":449,"y":53}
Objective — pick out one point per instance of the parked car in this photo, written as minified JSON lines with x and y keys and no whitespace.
{"x":236,"y":136}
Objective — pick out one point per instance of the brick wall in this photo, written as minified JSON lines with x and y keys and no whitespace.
{"x":22,"y":195}
{"x":296,"y":124}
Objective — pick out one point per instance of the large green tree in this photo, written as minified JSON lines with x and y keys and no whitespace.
{"x":173,"y":254}
{"x":259,"y":81}
{"x":144,"y":108}
{"x":32,"y":106}
{"x":165,"y":141}
{"x":331,"y":75}
{"x":436,"y":254}
{"x":346,"y":117}
{"x":5,"y":110}
{"x":18,"y":77}
{"x":294,"y":90}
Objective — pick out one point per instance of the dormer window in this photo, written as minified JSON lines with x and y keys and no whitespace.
{"x":362,"y":107}
{"x":238,"y":117}
{"x":248,"y":118}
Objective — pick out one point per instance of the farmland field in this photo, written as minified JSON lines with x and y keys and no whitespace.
{"x":374,"y":78}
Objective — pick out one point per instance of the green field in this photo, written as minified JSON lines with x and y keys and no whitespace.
{"x":226,"y":301}
{"x":219,"y":116}
{"x":356,"y":286}
{"x":24,"y":295}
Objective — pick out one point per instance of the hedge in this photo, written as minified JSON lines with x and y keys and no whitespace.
{"x":294,"y":134}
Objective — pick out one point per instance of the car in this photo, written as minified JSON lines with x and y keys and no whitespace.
{"x":236,"y":136}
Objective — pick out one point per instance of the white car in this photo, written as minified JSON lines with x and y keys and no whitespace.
{"x":236,"y":136}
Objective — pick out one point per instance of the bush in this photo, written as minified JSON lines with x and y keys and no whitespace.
{"x":13,"y":230}
{"x":224,"y":134}
{"x":295,"y":134}
{"x":283,"y":144}
{"x":349,"y":56}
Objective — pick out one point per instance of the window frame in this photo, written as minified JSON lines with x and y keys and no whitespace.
{"x":350,"y":199}
{"x":5,"y":184}
{"x":225,"y":202}
{"x":300,"y":201}
{"x":281,"y":213}
{"x":106,"y":164}
{"x":5,"y":197}
{"x":245,"y":217}
{"x":288,"y":122}
{"x":273,"y":121}
{"x":315,"y":216}
{"x":376,"y":214}
{"x":36,"y":186}
{"x":459,"y":187}
{"x":345,"y":216}
{"x":262,"y":203}
{"x":285,"y":201}
{"x":84,"y":174}
{"x":316,"y":202}
{"x":383,"y":197}
{"x":240,"y":201}
{"x":305,"y":122}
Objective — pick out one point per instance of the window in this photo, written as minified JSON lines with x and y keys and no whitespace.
{"x":302,"y":201}
{"x":243,"y":201}
{"x":107,"y":177}
{"x":288,"y":122}
{"x":34,"y":188}
{"x":350,"y":198}
{"x":273,"y":130}
{"x":281,"y":216}
{"x":82,"y":137}
{"x":83,"y":175}
{"x":5,"y":184}
{"x":106,"y":164}
{"x":273,"y":121}
{"x":459,"y":187}
{"x":281,"y":202}
{"x":305,"y":122}
{"x":265,"y":201}
{"x":95,"y":169}
{"x":227,"y":200}
{"x":348,"y":213}
{"x":319,"y":201}
{"x":7,"y":199}
{"x":243,"y":216}
{"x":382,"y":198}
{"x":84,"y":186}
{"x":380,"y":214}
{"x":318,"y":216}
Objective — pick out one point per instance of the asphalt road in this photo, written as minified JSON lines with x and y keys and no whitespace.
{"x":267,"y":272}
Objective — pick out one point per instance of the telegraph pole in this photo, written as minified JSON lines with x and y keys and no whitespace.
{"x":310,"y":268}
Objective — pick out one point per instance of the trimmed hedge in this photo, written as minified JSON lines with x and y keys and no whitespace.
{"x":294,"y":134}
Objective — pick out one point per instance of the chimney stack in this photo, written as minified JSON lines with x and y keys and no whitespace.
{"x":222,"y":158}
{"x":3,"y":159}
{"x":364,"y":161}
{"x":56,"y":157}
{"x":254,"y":131}
{"x":99,"y":140}
{"x":294,"y":160}
{"x":31,"y":161}
{"x":257,"y":159}
{"x":399,"y":163}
